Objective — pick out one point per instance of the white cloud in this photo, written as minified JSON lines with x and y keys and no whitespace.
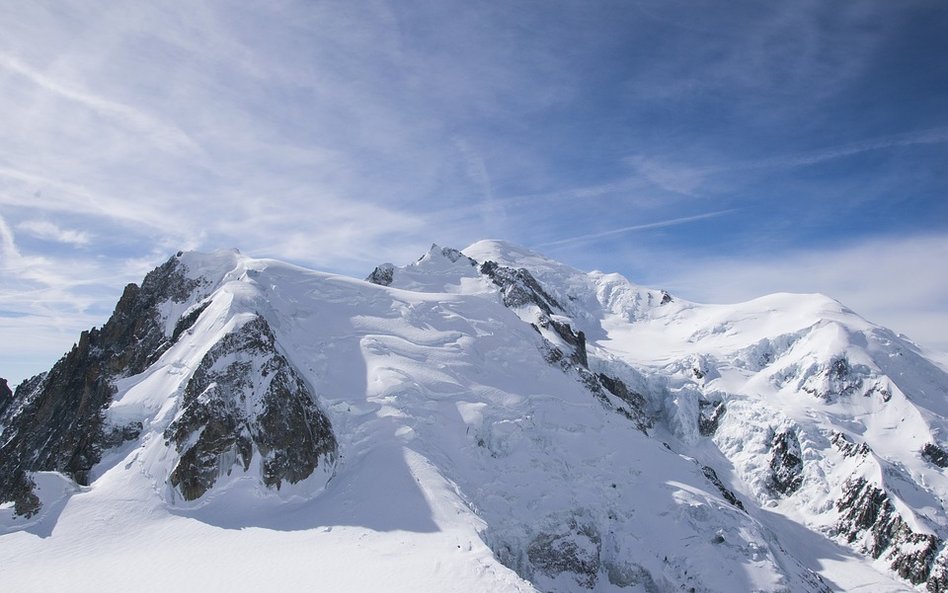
{"x":339,"y":136}
{"x":170,"y":136}
{"x":43,"y":229}
{"x":898,"y":282}
{"x":681,"y":179}
{"x":47,"y":300}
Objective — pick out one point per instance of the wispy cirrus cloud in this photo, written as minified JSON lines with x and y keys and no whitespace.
{"x":341,"y":135}
{"x":166,"y":134}
{"x":44,"y":229}
{"x":688,"y":178}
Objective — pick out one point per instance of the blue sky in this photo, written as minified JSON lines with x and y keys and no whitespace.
{"x":719,"y":150}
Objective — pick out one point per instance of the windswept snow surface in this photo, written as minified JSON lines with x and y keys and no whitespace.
{"x":468,"y":462}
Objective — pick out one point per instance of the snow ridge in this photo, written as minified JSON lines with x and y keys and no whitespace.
{"x":521,"y":424}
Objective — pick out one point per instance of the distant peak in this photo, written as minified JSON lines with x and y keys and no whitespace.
{"x":211,"y":264}
{"x":503,"y":252}
{"x":382,"y":275}
{"x":436,"y":251}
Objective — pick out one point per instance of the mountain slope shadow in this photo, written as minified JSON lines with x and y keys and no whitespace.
{"x":54,"y":490}
{"x":812,"y":549}
{"x":377,"y":492}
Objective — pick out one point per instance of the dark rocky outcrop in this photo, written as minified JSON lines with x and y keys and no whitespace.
{"x":786,"y":463}
{"x":938,"y":577}
{"x":628,"y":574}
{"x":6,"y":396}
{"x":619,"y":389}
{"x":382,"y":275}
{"x":573,"y":338}
{"x":709,"y":416}
{"x":57,"y":423}
{"x":869,"y":517}
{"x":576,"y":551}
{"x":635,"y":402}
{"x":724,"y":490}
{"x":453,"y":255}
{"x":631,"y":404}
{"x":19,"y":487}
{"x":246,"y":398}
{"x":836,"y":379}
{"x":187,"y":321}
{"x":849,"y":448}
{"x":935,"y":454}
{"x":519,"y":287}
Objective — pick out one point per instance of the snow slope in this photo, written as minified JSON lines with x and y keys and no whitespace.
{"x":549,"y":430}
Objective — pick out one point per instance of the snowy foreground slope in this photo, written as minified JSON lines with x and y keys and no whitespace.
{"x":490,"y":420}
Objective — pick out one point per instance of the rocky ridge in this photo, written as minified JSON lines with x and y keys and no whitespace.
{"x":809,"y":416}
{"x":245,"y":399}
{"x":57,"y":421}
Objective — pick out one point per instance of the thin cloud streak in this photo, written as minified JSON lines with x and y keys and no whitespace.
{"x":46,"y":230}
{"x":328,"y":135}
{"x":687,"y":179}
{"x":68,"y":197}
{"x":892,"y":281}
{"x":172,"y":137}
{"x":637,"y":227}
{"x":933,"y":136}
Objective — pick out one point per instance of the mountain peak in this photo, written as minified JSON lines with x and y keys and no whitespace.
{"x":212,"y":264}
{"x":504,"y":253}
{"x":527,"y":425}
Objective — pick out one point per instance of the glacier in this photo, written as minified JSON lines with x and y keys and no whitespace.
{"x":480,"y":419}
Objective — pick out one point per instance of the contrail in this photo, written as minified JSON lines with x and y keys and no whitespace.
{"x":637,"y":227}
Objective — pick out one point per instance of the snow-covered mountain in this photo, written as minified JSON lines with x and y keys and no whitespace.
{"x":479,"y":420}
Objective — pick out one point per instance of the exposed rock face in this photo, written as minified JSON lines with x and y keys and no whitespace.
{"x":935,"y":454}
{"x":868,"y":518}
{"x":724,"y":490}
{"x":6,"y":396}
{"x":634,"y":408}
{"x":575,"y":551}
{"x":836,"y":379}
{"x":619,"y":389}
{"x":382,"y":275}
{"x":56,"y":420}
{"x":519,"y":287}
{"x":630,"y":575}
{"x":187,"y":321}
{"x":454,"y":255}
{"x":575,"y":339}
{"x":786,"y":463}
{"x":709,"y":416}
{"x":938,"y":577}
{"x":246,"y":398}
{"x":849,"y":448}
